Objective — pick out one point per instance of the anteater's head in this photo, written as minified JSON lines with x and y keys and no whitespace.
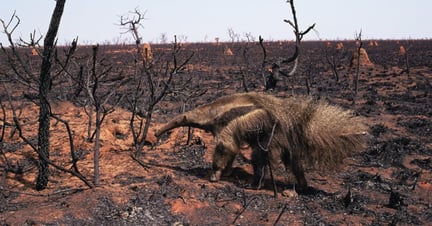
{"x":222,"y":162}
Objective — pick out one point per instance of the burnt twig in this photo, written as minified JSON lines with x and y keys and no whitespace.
{"x":281,"y":213}
{"x":244,"y":208}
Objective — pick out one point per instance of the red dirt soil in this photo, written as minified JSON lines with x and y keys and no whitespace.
{"x":389,"y":183}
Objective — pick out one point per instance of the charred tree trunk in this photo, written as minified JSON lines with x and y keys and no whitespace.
{"x":299,"y":36}
{"x":357,"y":73}
{"x":97,"y":146}
{"x":98,"y":109}
{"x":44,"y":88}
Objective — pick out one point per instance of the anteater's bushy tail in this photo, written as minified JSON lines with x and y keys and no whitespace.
{"x":319,"y":134}
{"x":333,"y":134}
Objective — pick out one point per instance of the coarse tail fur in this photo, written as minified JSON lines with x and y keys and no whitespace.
{"x":297,"y":131}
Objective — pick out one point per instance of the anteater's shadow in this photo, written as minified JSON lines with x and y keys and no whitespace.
{"x":242,"y":179}
{"x":239,"y":175}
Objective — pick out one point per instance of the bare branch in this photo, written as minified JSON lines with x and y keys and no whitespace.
{"x":71,"y":144}
{"x":33,"y":41}
{"x":149,"y":88}
{"x":264,"y":61}
{"x":133,"y":23}
{"x":307,"y":30}
{"x":290,"y":23}
{"x":9,"y":31}
{"x":267,"y":150}
{"x":35,"y":148}
{"x":299,"y":36}
{"x":19,"y":66}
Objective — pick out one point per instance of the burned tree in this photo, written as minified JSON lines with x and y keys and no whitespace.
{"x":101,"y":87}
{"x":299,"y":36}
{"x":44,"y":84}
{"x":333,"y":58}
{"x":359,"y":45}
{"x":39,"y":87}
{"x":403,"y":53}
{"x":152,"y":80}
{"x":44,"y":89}
{"x":297,"y":52}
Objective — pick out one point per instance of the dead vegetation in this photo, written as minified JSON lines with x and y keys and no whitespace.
{"x":389,"y":183}
{"x":106,"y":166}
